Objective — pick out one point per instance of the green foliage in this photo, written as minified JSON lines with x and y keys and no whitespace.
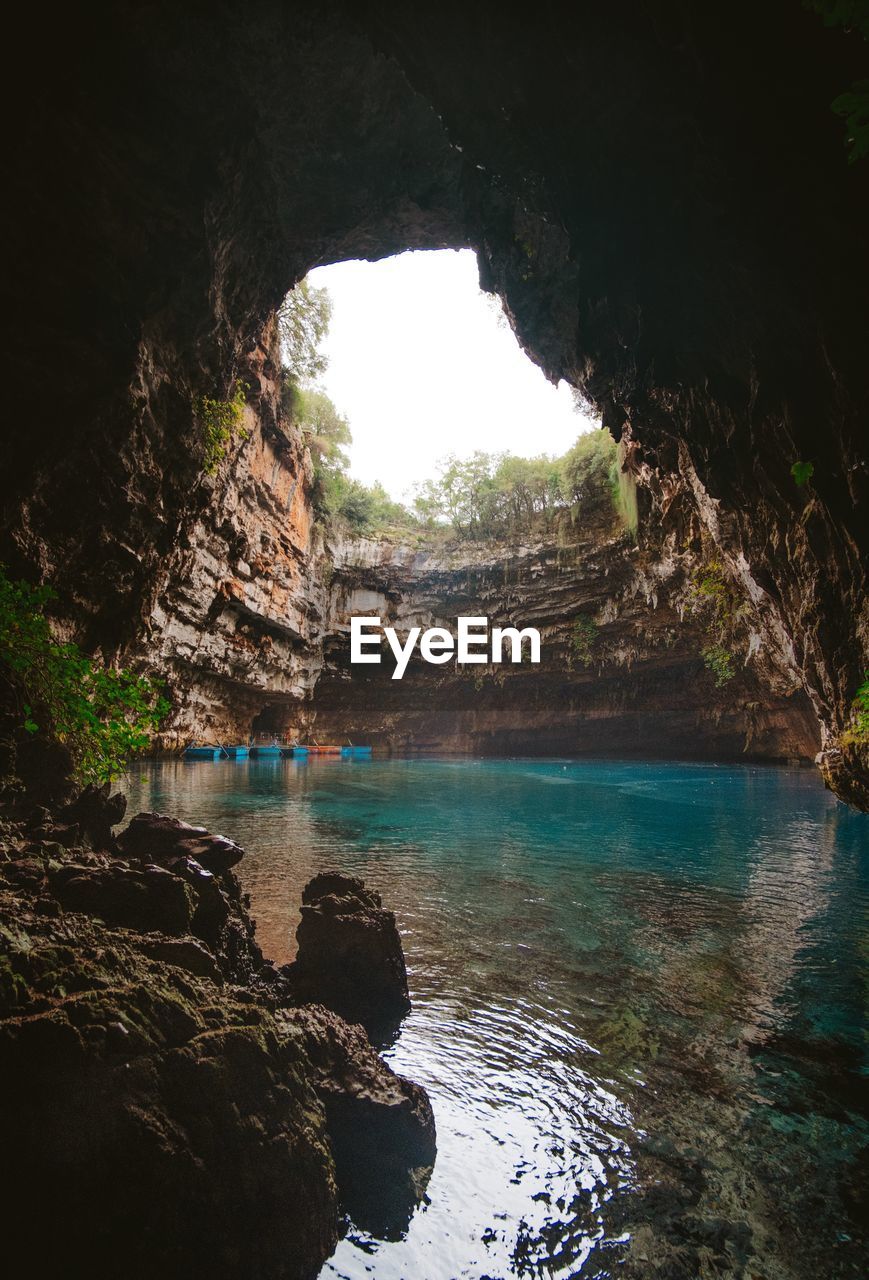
{"x":624,"y":488}
{"x":713,"y":596}
{"x":712,"y":592}
{"x":585,"y":633}
{"x":326,"y":430}
{"x":802,"y":472}
{"x":220,"y":422}
{"x":853,"y":104}
{"x":365,"y":508}
{"x":857,"y":733}
{"x":101,"y":714}
{"x":501,"y":496}
{"x":337,"y":495}
{"x":719,"y":661}
{"x":303,"y":322}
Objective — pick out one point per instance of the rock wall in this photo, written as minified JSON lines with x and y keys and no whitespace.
{"x":642,"y":689}
{"x":251,"y":631}
{"x":237,"y":625}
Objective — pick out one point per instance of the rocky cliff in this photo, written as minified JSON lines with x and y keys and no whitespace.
{"x":251,"y":630}
{"x":623,"y":631}
{"x":236,"y":626}
{"x":659,"y":193}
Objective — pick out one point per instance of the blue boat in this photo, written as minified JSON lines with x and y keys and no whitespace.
{"x":236,"y":753}
{"x":271,"y":752}
{"x":355,"y":751}
{"x":201,"y":753}
{"x":290,"y":752}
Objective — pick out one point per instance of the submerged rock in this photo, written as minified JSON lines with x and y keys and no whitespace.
{"x":350,"y":956}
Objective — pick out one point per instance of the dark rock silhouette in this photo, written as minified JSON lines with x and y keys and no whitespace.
{"x":157,"y":838}
{"x":381,"y":1125}
{"x":350,"y":956}
{"x":159,"y":1101}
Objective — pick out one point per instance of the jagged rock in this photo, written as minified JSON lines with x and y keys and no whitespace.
{"x":203,"y":861}
{"x":349,"y":954}
{"x":159,"y":1126}
{"x":156,"y":1113}
{"x":185,"y":953}
{"x":158,"y":838}
{"x":96,"y":811}
{"x":381,"y":1125}
{"x":146,"y":899}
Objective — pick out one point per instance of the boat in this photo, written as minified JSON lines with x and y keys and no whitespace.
{"x":327,"y":750}
{"x":355,"y":751}
{"x":289,"y":752}
{"x":266,"y":751}
{"x":201,"y":753}
{"x":236,"y":753}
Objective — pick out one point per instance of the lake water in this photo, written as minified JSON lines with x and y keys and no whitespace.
{"x":639,"y":1001}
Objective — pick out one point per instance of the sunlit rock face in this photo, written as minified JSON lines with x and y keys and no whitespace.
{"x":640,"y":687}
{"x":660,"y":194}
{"x":239,"y":614}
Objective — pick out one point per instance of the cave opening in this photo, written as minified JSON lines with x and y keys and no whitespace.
{"x":423,"y":364}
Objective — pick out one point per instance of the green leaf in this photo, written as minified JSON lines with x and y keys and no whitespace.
{"x":802,"y":472}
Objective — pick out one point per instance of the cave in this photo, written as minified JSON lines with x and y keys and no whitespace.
{"x":661,"y":197}
{"x":658,"y":245}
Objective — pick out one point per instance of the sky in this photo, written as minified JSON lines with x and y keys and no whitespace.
{"x":421,"y":367}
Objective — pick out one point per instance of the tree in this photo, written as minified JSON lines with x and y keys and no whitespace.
{"x":587,"y":470}
{"x":303,"y":322}
{"x":327,"y":431}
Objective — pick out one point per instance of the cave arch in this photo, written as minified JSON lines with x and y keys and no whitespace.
{"x":659,"y":239}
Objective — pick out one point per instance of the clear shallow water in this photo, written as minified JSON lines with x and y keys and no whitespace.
{"x":639,"y":1001}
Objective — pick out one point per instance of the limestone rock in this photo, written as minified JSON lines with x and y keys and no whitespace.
{"x":350,"y":956}
{"x":380,"y":1124}
{"x":96,"y":811}
{"x":158,"y":838}
{"x":160,"y":1111}
{"x":146,"y":899}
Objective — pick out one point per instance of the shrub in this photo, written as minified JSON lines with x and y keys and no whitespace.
{"x":102,"y":715}
{"x":220,"y":421}
{"x":585,"y":633}
{"x":719,"y":661}
{"x":857,"y":733}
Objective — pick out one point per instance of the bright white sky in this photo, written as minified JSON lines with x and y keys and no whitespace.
{"x":421,"y":368}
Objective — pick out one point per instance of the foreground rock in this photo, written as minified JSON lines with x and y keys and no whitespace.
{"x":161,"y":1113}
{"x":350,"y":957}
{"x":156,"y":837}
{"x":380,"y":1124}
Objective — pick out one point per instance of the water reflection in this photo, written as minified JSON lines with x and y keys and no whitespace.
{"x":623,"y":976}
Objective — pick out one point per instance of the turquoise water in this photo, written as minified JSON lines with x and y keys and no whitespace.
{"x":639,"y":1001}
